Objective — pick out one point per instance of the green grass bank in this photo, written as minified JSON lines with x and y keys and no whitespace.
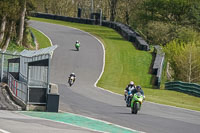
{"x":42,"y":40}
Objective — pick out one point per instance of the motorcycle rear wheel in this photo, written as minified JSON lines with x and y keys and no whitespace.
{"x":70,"y":82}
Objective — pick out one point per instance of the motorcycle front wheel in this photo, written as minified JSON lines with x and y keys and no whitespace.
{"x":134,"y":109}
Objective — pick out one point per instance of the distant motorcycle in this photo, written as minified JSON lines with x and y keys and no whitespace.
{"x":136,"y":102}
{"x":77,"y":45}
{"x":71,"y":80}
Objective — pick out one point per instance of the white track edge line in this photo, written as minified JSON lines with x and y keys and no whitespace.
{"x":3,"y":131}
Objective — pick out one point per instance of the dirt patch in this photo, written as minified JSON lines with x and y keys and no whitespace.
{"x":5,"y":101}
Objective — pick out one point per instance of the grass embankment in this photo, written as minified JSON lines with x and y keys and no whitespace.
{"x":125,"y":63}
{"x":42,"y":40}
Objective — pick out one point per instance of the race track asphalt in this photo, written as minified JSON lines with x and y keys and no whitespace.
{"x":85,"y":99}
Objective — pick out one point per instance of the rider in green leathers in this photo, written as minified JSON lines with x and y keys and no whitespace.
{"x":77,"y":45}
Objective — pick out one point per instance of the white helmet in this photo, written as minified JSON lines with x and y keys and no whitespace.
{"x":131,"y":83}
{"x":77,"y":41}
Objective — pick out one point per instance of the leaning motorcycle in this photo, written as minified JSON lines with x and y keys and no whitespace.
{"x":77,"y":45}
{"x":71,"y":80}
{"x":136,"y":102}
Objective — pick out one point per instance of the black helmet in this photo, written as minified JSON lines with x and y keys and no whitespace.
{"x":138,"y":87}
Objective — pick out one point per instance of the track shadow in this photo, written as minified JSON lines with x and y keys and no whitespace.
{"x":73,"y":50}
{"x":124,"y":113}
{"x":119,"y":106}
{"x":129,"y":113}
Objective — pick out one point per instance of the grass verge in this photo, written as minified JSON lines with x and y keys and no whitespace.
{"x":125,"y":63}
{"x":42,"y":40}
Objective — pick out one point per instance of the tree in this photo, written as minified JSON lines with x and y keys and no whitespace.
{"x":188,"y":34}
{"x":9,"y":14}
{"x":194,"y":15}
{"x":188,"y":64}
{"x":183,"y":58}
{"x":2,"y":30}
{"x":10,"y":30}
{"x":112,"y":6}
{"x":21,"y":25}
{"x":126,"y":9}
{"x":3,"y":14}
{"x":159,"y":33}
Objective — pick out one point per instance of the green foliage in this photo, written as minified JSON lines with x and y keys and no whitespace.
{"x":174,"y":11}
{"x":27,"y":38}
{"x":9,"y":8}
{"x":184,"y":60}
{"x":14,"y":47}
{"x":188,"y":34}
{"x":10,"y":15}
{"x":193,"y":14}
{"x":161,"y":21}
{"x":160,"y":33}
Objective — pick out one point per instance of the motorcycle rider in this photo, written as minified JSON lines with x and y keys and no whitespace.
{"x":138,"y":89}
{"x":72,"y":75}
{"x":77,"y":44}
{"x":130,"y":87}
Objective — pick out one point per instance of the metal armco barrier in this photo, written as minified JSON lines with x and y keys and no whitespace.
{"x":158,"y":65}
{"x":188,"y":88}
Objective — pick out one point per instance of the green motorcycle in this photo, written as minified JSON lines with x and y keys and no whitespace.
{"x":136,"y":102}
{"x":77,"y":45}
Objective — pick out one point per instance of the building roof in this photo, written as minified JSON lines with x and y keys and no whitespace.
{"x":43,"y":51}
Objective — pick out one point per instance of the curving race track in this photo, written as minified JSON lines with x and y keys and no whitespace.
{"x":85,"y":99}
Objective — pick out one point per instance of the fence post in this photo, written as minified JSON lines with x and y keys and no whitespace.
{"x":2,"y":62}
{"x":48,"y":74}
{"x":27,"y":100}
{"x":16,"y":88}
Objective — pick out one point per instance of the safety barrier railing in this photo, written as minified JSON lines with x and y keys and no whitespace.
{"x":158,"y":64}
{"x":18,"y":88}
{"x":189,"y":88}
